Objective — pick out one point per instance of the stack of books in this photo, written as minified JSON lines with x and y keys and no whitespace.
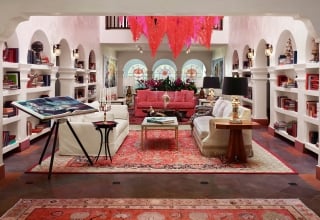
{"x":160,"y":120}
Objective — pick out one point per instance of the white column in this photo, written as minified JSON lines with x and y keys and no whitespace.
{"x":259,"y":80}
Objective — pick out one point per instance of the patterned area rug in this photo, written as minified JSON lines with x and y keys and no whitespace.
{"x":160,"y":209}
{"x":162,"y":156}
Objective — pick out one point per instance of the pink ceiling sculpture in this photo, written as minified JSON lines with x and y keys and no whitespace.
{"x":180,"y":30}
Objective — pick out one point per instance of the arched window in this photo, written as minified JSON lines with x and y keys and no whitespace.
{"x":164,"y":68}
{"x":134,"y":70}
{"x":193,"y":70}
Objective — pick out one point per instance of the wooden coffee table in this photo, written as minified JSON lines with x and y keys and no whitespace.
{"x":145,"y":126}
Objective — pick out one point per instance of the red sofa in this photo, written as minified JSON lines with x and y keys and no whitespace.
{"x":179,"y":100}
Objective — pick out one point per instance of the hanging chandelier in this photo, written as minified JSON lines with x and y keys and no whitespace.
{"x":180,"y":30}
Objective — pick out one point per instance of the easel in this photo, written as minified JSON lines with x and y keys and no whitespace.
{"x":56,"y":128}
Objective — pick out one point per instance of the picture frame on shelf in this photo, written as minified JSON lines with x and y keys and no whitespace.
{"x":11,"y":80}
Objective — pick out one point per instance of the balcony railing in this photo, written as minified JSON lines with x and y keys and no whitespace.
{"x":113,"y":22}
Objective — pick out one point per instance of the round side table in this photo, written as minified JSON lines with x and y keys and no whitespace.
{"x":107,"y":126}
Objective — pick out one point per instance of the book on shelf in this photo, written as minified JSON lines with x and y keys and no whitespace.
{"x":311,"y":108}
{"x":312,"y":81}
{"x":160,"y":120}
{"x":281,"y":79}
{"x":53,"y":107}
{"x":313,"y":137}
{"x":11,"y":55}
{"x":9,"y":110}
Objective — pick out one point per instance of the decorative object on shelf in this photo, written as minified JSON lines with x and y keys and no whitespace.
{"x":56,"y":50}
{"x":268,"y":51}
{"x":37,"y":47}
{"x":289,"y":52}
{"x":180,"y":30}
{"x":250,"y":56}
{"x":76,"y":56}
{"x":235,"y":86}
{"x":211,"y":83}
{"x":315,"y":51}
{"x":33,"y":80}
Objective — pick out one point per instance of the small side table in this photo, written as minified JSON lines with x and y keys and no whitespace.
{"x":107,"y":126}
{"x":236,"y":150}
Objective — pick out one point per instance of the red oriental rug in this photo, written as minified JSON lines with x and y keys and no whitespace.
{"x":162,"y":156}
{"x":159,"y":209}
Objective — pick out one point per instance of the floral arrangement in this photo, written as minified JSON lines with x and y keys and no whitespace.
{"x":167,"y":84}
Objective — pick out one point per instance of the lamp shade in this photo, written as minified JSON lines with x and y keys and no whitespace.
{"x":235,"y":86}
{"x":211,"y":82}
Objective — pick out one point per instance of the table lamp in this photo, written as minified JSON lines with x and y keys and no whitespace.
{"x":211,"y":83}
{"x":235,"y":86}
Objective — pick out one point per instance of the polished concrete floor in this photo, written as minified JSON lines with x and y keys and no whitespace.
{"x":304,"y":185}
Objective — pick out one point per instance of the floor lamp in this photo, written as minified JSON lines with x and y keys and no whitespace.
{"x":235,"y":86}
{"x":211,"y":83}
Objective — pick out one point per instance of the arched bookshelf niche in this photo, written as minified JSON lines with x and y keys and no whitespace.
{"x":79,"y":60}
{"x":235,"y":61}
{"x":65,"y":60}
{"x":39,"y":57}
{"x":285,"y":45}
{"x":260,"y":59}
{"x":92,"y":77}
{"x":11,"y":50}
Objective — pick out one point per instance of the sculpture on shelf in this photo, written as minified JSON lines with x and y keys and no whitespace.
{"x":289,"y":52}
{"x":37,"y":47}
{"x":33,"y":80}
{"x":315,"y":51}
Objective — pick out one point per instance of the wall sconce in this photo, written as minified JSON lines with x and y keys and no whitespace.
{"x":75,"y":53}
{"x":56,"y":50}
{"x":139,"y":49}
{"x":188,"y":50}
{"x":268,"y":51}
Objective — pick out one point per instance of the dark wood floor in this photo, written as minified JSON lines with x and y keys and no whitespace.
{"x":304,"y":185}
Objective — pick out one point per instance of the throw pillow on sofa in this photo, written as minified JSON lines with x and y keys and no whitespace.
{"x":219,"y":107}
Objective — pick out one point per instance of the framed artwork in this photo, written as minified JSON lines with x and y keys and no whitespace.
{"x":218,"y":69}
{"x":11,"y":80}
{"x":110,"y":71}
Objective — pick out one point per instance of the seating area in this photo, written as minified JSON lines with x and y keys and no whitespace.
{"x":210,"y":140}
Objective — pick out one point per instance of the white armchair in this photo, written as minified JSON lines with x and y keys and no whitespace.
{"x":214,"y":142}
{"x":89,"y":136}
